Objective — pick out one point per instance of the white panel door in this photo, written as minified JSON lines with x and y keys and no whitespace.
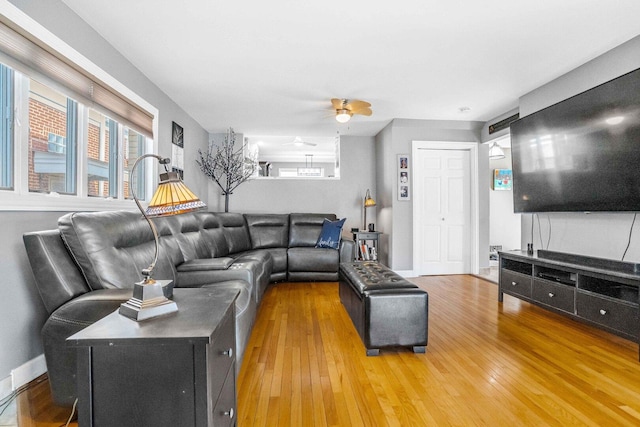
{"x":443,"y":195}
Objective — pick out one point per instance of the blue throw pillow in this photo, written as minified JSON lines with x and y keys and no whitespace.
{"x":330,"y":235}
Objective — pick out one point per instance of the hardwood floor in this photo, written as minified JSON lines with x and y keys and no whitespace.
{"x":486,"y":364}
{"x":509,"y":364}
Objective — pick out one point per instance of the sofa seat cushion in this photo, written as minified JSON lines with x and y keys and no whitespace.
{"x":313,"y":259}
{"x":207,"y":264}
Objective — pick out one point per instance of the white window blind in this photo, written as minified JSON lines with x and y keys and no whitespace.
{"x":36,"y":55}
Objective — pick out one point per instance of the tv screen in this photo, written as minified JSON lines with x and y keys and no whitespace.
{"x":581,"y":154}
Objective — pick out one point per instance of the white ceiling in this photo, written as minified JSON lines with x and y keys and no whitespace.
{"x":271,"y":67}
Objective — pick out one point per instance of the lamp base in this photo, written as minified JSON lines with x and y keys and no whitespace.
{"x":149,"y":300}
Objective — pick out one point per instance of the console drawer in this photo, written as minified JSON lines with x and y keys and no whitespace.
{"x":516,"y":283}
{"x":620,"y":316}
{"x":221,"y":355}
{"x":224,"y":413}
{"x":554,"y":295}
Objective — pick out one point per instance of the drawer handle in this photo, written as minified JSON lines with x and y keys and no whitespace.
{"x":603,"y":311}
{"x":551,"y":295}
{"x":228,"y":352}
{"x":514,"y":283}
{"x":228,"y":413}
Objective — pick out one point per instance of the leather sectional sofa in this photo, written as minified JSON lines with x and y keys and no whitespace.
{"x":86,"y":268}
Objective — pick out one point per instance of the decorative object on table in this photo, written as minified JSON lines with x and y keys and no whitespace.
{"x":368,"y":202}
{"x":177,"y":149}
{"x":502,"y":179}
{"x":346,"y":108}
{"x":330,"y":234}
{"x":151,"y":297}
{"x":495,"y":151}
{"x":404,"y":178}
{"x":371,"y":227}
{"x":227,"y":165}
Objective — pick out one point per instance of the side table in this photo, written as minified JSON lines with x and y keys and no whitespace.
{"x":364,"y":250}
{"x":174,"y":370}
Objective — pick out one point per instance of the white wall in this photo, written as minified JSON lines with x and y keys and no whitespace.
{"x":504,"y":225}
{"x":602,"y":235}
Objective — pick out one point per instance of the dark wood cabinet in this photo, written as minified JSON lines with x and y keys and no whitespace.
{"x":177,"y":369}
{"x":603,"y":293}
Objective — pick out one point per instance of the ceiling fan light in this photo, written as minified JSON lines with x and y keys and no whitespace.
{"x":343,"y":115}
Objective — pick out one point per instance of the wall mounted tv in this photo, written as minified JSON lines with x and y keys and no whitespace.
{"x":581,"y":154}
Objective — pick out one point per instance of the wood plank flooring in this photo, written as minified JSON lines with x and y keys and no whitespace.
{"x":487,"y":364}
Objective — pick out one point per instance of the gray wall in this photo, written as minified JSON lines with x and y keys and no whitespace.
{"x":21,"y":311}
{"x":603,"y":234}
{"x":396,"y":217}
{"x":340,"y":196}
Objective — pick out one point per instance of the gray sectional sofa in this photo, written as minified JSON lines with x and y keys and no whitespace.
{"x":86,"y":268}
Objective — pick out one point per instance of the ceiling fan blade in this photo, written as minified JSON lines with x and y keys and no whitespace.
{"x":363,"y":111}
{"x":337,"y":103}
{"x":357,"y":105}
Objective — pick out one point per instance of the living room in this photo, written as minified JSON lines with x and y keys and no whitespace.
{"x":368,"y":162}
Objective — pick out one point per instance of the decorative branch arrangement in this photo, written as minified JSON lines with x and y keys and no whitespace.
{"x":227,"y":166}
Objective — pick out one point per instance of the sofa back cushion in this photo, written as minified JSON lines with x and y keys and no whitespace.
{"x":198,"y":234}
{"x":112,"y":248}
{"x":305,"y":228}
{"x":235,"y":231}
{"x":268,"y":230}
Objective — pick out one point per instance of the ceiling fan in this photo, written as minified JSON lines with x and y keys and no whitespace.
{"x":299,"y":142}
{"x":346,"y":108}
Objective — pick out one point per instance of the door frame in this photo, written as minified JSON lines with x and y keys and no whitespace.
{"x":472,"y":148}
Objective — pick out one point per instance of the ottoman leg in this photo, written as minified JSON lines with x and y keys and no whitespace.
{"x":419,"y":349}
{"x":373,"y":351}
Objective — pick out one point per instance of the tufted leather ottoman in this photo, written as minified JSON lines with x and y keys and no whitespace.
{"x":385,"y":309}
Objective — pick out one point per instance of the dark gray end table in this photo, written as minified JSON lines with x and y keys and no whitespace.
{"x":174,"y":370}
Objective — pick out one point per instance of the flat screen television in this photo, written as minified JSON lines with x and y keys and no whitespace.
{"x":581,"y":154}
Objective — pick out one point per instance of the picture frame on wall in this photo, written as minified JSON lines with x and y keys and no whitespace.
{"x":502,"y":179}
{"x":404,"y":177}
{"x":177,"y":149}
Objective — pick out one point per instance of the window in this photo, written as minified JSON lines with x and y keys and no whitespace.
{"x":69,"y":132}
{"x":134,"y":147}
{"x":52,"y":140}
{"x":6,"y":127}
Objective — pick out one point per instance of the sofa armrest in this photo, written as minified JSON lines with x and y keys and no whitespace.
{"x":347,"y":250}
{"x":68,"y":319}
{"x":206,"y":264}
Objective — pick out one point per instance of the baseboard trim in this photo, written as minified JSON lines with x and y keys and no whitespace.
{"x":28,"y":372}
{"x":405,"y":273}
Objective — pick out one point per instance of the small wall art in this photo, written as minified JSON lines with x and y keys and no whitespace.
{"x":502,"y":179}
{"x":177,"y":149}
{"x":404,"y":177}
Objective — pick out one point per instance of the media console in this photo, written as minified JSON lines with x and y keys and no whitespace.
{"x":601,"y":292}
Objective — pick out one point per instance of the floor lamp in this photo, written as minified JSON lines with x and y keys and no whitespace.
{"x":368,"y":202}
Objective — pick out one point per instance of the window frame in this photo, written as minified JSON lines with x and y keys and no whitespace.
{"x":19,"y":197}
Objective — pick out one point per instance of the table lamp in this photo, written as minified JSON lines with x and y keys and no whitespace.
{"x":172,"y":197}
